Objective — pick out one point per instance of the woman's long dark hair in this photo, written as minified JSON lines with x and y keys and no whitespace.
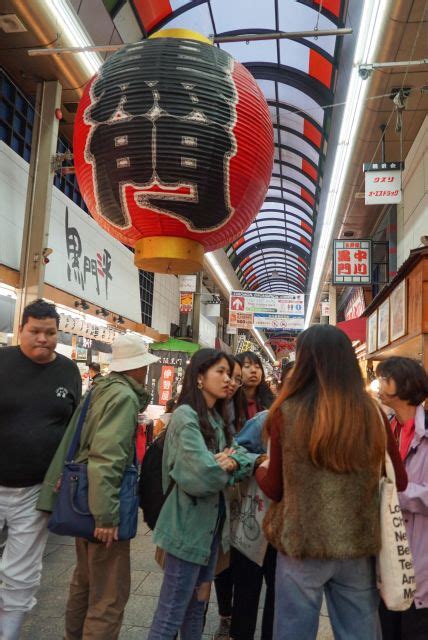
{"x":199,"y":363}
{"x":263,"y":396}
{"x":238,"y":401}
{"x":339,"y":425}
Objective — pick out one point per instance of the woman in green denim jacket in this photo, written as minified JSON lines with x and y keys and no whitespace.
{"x":200,"y":461}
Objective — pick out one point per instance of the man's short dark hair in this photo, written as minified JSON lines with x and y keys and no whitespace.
{"x":409,"y":376}
{"x":95,"y":367}
{"x":41,"y":310}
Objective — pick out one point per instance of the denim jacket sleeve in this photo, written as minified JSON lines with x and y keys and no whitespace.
{"x":245,"y":459}
{"x":193,"y":466}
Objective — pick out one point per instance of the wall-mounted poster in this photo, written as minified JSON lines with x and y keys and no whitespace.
{"x":383,"y":325}
{"x":398,"y":311}
{"x":372,"y":333}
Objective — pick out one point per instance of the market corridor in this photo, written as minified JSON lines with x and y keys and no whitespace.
{"x":46,"y":621}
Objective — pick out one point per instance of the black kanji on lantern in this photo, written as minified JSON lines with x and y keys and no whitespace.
{"x":162,"y":115}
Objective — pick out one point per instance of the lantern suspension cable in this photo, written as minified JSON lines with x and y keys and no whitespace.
{"x":246,"y":37}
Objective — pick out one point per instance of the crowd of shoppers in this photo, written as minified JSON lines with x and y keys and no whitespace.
{"x":315,"y":442}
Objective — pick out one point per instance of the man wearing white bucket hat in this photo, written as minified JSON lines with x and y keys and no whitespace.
{"x":100,"y":585}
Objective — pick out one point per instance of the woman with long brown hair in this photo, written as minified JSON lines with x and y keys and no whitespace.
{"x":328,"y":444}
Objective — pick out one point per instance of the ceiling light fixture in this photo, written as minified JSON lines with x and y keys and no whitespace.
{"x":369,"y":34}
{"x":219,"y":271}
{"x":262,"y":342}
{"x":71,"y":25}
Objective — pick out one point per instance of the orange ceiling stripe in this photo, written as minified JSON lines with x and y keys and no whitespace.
{"x":307,"y":196}
{"x":311,"y":132}
{"x":306,"y":226}
{"x":238,"y":243}
{"x":309,"y":169}
{"x":152,"y":11}
{"x":306,"y":242}
{"x":320,"y":68}
{"x":331,"y":5}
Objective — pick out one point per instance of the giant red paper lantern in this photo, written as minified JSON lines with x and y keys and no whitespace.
{"x":173,"y":147}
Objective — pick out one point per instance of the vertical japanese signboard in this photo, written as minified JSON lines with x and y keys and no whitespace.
{"x":165,"y":384}
{"x":352,"y":262}
{"x":383,"y":182}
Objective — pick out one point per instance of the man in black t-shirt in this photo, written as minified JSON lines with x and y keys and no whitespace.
{"x":39,"y":391}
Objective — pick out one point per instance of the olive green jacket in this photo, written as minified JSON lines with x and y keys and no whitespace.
{"x":106,"y":445}
{"x":189,"y":516}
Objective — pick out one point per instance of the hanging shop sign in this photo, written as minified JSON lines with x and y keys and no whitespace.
{"x":383,"y":182}
{"x":352,"y":262}
{"x":174,"y":361}
{"x":356,"y":304}
{"x":186,"y":302}
{"x":187,"y":283}
{"x":275,"y":303}
{"x":85,"y":260}
{"x":266,"y":310}
{"x":173,"y":148}
{"x":268,"y":321}
{"x":325,"y":309}
{"x":87,"y":330}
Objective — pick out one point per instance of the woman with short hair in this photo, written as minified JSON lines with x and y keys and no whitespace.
{"x":403,"y":386}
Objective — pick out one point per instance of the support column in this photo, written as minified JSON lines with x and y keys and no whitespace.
{"x":196,"y":318}
{"x":39,"y":198}
{"x":333,"y":309}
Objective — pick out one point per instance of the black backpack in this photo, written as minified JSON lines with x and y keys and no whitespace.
{"x":150,"y":489}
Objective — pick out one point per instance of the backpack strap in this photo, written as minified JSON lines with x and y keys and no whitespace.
{"x":76,"y":438}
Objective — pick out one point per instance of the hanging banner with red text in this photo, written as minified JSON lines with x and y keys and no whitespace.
{"x":352,"y":262}
{"x":383,"y":183}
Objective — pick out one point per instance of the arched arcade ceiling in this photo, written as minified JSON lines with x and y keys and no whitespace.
{"x":298,"y":79}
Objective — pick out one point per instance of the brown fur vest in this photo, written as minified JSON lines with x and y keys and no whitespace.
{"x":322,"y":514}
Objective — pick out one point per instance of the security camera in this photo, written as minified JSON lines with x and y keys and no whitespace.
{"x":365,"y":71}
{"x":424,"y":241}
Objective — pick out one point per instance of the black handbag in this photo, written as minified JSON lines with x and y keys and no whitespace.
{"x":71,"y":515}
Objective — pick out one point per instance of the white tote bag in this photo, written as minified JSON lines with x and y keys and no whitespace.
{"x":248,"y":507}
{"x":394,"y":567}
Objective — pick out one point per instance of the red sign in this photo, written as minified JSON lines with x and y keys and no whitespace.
{"x":352,"y":262}
{"x":165,"y":384}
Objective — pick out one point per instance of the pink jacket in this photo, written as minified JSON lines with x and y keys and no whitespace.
{"x":414,"y":504}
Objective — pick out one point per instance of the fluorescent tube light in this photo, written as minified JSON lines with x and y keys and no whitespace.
{"x":256,"y":333}
{"x":215,"y":265}
{"x":367,"y":44}
{"x":76,"y":33}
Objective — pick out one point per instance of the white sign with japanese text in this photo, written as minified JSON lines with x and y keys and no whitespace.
{"x":86,"y":261}
{"x":352,"y":262}
{"x":187,"y":283}
{"x":256,"y":302}
{"x":383,"y":183}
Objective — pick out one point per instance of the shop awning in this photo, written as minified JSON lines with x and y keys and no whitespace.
{"x":355,"y":329}
{"x":174,"y":344}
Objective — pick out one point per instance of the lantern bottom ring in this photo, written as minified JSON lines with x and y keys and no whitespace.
{"x":168,"y":254}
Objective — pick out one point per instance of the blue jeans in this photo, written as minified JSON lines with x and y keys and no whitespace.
{"x":350,"y":591}
{"x":179,"y":607}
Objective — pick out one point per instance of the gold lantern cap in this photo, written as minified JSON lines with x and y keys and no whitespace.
{"x":168,"y":254}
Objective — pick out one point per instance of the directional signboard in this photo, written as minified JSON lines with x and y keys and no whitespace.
{"x":266,"y":310}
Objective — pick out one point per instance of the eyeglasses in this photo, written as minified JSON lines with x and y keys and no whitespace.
{"x":237,"y":381}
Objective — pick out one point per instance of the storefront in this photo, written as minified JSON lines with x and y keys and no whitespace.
{"x":397,"y":319}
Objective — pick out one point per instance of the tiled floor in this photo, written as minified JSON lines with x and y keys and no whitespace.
{"x":46,"y":621}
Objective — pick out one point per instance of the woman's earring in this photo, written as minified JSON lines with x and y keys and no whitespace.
{"x":200,"y":385}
